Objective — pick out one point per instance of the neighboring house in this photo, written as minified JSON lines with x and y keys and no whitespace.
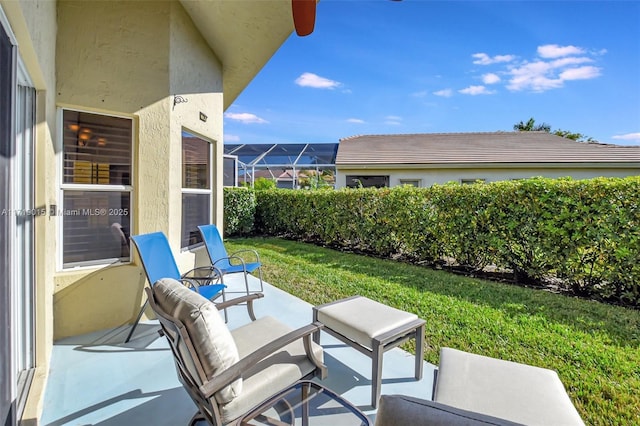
{"x":111,"y":119}
{"x":426,"y":159}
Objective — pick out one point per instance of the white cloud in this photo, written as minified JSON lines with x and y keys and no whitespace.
{"x":555,"y":51}
{"x":231,"y":138}
{"x":393,"y":120}
{"x":628,"y":136}
{"x":309,"y":79}
{"x":553,"y":66}
{"x":534,"y":76}
{"x":355,"y":120}
{"x":581,"y":73}
{"x":484,"y":59}
{"x":420,"y":94}
{"x":476,"y":90}
{"x":245,"y":118}
{"x":540,"y":76}
{"x":445,"y":93}
{"x":490,"y":78}
{"x":572,"y":60}
{"x":633,"y":137}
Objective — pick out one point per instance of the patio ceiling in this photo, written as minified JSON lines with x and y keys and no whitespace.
{"x":244,"y":35}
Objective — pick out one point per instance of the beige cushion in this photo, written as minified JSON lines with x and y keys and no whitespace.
{"x":214,"y":344}
{"x":361,"y":319}
{"x":396,"y":410}
{"x":508,"y":390}
{"x":278,"y":371}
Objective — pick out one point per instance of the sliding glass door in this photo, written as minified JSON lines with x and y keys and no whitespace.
{"x":7,"y":378}
{"x":17,"y":215}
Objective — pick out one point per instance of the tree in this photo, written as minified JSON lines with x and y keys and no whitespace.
{"x":531,"y":126}
{"x":263,"y":183}
{"x":578,"y":137}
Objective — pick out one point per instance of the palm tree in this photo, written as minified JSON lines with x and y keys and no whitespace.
{"x":531,"y":126}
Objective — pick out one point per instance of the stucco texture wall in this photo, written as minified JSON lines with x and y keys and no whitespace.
{"x":134,"y":59}
{"x":431,"y":176}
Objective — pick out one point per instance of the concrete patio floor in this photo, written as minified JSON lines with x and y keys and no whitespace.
{"x":97,"y":379}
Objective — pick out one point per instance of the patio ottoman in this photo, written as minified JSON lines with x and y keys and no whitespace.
{"x":507,"y":390}
{"x":372,"y":328}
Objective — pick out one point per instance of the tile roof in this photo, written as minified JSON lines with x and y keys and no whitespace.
{"x":474,"y":148}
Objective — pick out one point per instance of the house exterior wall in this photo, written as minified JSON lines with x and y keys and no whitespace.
{"x":440,"y":175}
{"x":141,"y":56}
{"x":127,"y":59}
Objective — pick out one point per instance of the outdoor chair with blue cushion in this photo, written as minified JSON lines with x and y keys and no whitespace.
{"x":230,"y":263}
{"x":158,"y":262}
{"x":227,"y":373}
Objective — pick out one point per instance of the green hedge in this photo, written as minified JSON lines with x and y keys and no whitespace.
{"x":584,"y":235}
{"x":239,"y":211}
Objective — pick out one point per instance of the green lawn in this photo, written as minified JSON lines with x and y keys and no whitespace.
{"x":593,"y":346}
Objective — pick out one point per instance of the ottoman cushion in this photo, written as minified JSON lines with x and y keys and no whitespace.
{"x":362,"y":319}
{"x":504,"y":389}
{"x":404,"y":410}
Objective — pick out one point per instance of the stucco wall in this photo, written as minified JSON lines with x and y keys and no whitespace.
{"x":430,"y":176}
{"x":196,"y":75}
{"x":138,"y":57}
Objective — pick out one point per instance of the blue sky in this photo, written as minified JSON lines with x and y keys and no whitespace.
{"x":415,"y":66}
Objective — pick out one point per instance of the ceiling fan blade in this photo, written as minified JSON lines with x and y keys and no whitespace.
{"x":304,"y":16}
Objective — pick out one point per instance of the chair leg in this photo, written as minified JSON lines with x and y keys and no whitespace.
{"x":419,"y":352}
{"x":246,"y":281}
{"x":260,"y":277}
{"x":224,"y":299}
{"x":376,"y":372}
{"x":197,"y":418}
{"x":135,"y":324}
{"x":305,"y":404}
{"x":316,"y":334}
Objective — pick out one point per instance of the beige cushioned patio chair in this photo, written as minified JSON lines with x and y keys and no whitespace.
{"x":227,"y":373}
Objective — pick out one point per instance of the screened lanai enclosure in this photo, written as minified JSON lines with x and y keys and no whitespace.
{"x":291,"y":166}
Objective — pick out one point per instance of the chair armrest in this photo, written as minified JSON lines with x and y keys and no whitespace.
{"x":239,"y":261}
{"x":248,"y":299}
{"x":223,"y":379}
{"x":253,"y":252}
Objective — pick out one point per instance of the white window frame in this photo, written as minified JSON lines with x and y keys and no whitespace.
{"x":208,"y":191}
{"x":59,"y":210}
{"x":235,"y":168}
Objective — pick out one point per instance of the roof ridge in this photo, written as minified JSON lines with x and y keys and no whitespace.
{"x":497,"y":132}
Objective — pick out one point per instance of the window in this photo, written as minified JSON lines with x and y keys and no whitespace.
{"x":196,"y":187}
{"x":412,"y":182}
{"x":367,"y":181}
{"x":471,"y":181}
{"x":230,"y":170}
{"x":96,"y":188}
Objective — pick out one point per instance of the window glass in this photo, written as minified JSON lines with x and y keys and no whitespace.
{"x":367,"y":181}
{"x":230,"y":170}
{"x":196,"y":187}
{"x":471,"y":181}
{"x":412,"y":182}
{"x":195,"y":162}
{"x":195,"y":211}
{"x":96,"y":226}
{"x":96,"y":188}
